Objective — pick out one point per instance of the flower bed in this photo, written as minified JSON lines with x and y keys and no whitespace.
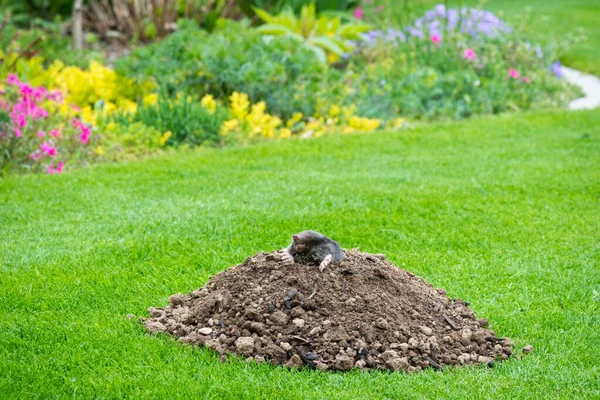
{"x":241,"y":84}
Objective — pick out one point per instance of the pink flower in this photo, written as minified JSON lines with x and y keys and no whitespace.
{"x":18,"y":132}
{"x":358,"y":13}
{"x":41,"y":134}
{"x":85,"y":135}
{"x":57,"y":170}
{"x":56,"y":95}
{"x":36,"y":156}
{"x":54,"y":132}
{"x":527,"y":80}
{"x":20,"y":120}
{"x":513,"y":73}
{"x":13,"y":79}
{"x":26,"y":91}
{"x":469,"y":54}
{"x":74,"y":107}
{"x":39,"y":113}
{"x":46,"y":148}
{"x":86,"y":132}
{"x":40,"y":93}
{"x":436,"y":39}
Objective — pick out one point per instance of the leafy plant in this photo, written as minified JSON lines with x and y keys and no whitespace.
{"x":233,"y":58}
{"x":188,"y":121}
{"x":276,"y":6}
{"x":42,"y":41}
{"x":26,"y":10}
{"x":322,"y":34}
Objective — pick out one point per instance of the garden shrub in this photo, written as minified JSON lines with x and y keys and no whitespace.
{"x":188,"y":121}
{"x":453,"y":63}
{"x":285,"y":75}
{"x":326,"y":36}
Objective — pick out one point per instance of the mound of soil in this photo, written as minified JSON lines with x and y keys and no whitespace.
{"x":363,"y":313}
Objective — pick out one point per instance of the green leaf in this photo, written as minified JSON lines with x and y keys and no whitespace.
{"x":319,"y":53}
{"x":351,"y":31}
{"x":328,"y":44}
{"x":287,"y":19}
{"x":263,"y":15}
{"x":308,"y":19}
{"x":272,"y":29}
{"x":322,"y":25}
{"x":278,"y":30}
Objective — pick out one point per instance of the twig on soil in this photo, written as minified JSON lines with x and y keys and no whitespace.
{"x":300,"y":338}
{"x":433,"y":363}
{"x":312,"y":294}
{"x":450,"y":322}
{"x":303,"y":357}
{"x":494,"y":339}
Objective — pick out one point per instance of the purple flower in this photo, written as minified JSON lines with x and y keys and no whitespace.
{"x":415,"y":32}
{"x":440,"y":9}
{"x":470,"y":21}
{"x":453,"y":18}
{"x":555,"y":67}
{"x":538,"y":51}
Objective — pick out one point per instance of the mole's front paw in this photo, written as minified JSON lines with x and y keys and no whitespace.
{"x":286,"y":258}
{"x":326,"y":261}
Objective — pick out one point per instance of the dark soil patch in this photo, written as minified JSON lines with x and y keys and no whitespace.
{"x":363,"y":313}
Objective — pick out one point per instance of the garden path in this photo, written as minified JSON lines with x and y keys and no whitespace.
{"x":590,"y":84}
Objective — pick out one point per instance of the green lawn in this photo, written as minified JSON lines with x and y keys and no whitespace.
{"x":503,"y":212}
{"x":543,"y":20}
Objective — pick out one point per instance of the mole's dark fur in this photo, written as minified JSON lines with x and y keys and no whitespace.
{"x":310,"y":248}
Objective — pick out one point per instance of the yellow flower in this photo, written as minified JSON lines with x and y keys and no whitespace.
{"x":316,"y":127}
{"x":260,"y":122}
{"x":109,"y":107}
{"x":334,"y":111}
{"x":229,"y":126}
{"x":150,"y":99}
{"x":239,"y":104}
{"x":285,"y":133}
{"x":296,"y":117}
{"x":128,"y":106}
{"x":396,"y":123}
{"x":88,"y":115}
{"x":332,"y":58}
{"x":363,"y":124}
{"x":99,"y":150}
{"x":348,"y":111}
{"x":163,"y":139}
{"x":209,"y":103}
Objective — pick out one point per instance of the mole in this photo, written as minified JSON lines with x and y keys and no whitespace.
{"x":313,"y":248}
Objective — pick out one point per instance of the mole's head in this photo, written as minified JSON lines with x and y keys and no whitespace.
{"x":306,"y":239}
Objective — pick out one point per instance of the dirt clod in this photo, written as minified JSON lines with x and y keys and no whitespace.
{"x":528,"y":349}
{"x":378,"y":316}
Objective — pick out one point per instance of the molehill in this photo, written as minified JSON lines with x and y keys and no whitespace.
{"x":363,"y":313}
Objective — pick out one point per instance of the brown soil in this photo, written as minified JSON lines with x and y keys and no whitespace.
{"x":363,"y":313}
